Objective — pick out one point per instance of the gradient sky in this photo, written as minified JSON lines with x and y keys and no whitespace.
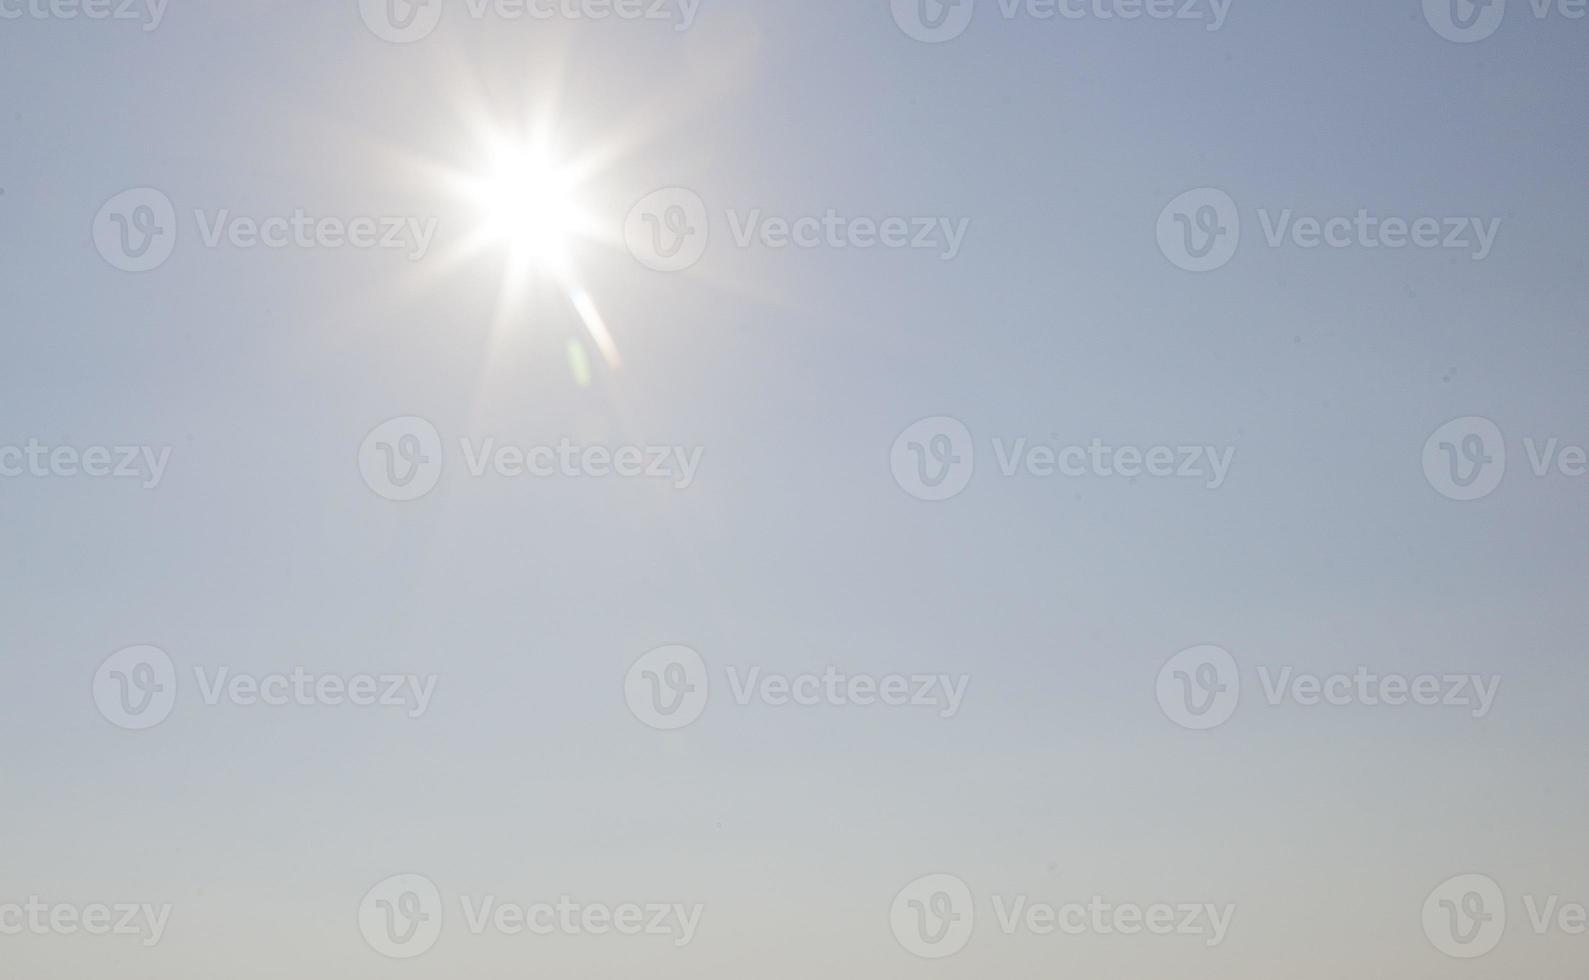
{"x":262,"y":549}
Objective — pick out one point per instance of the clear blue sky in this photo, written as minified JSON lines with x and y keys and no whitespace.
{"x":794,"y":371}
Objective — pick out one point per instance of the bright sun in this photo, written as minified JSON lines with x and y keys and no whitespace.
{"x":528,"y":209}
{"x":528,"y":205}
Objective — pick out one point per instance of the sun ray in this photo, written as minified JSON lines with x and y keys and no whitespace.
{"x":585,"y":306}
{"x":511,"y":185}
{"x":527,"y":207}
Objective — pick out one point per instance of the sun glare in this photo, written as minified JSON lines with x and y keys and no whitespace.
{"x":526,"y":199}
{"x":527,"y":205}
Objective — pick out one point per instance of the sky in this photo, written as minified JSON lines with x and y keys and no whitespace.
{"x":988,"y":362}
